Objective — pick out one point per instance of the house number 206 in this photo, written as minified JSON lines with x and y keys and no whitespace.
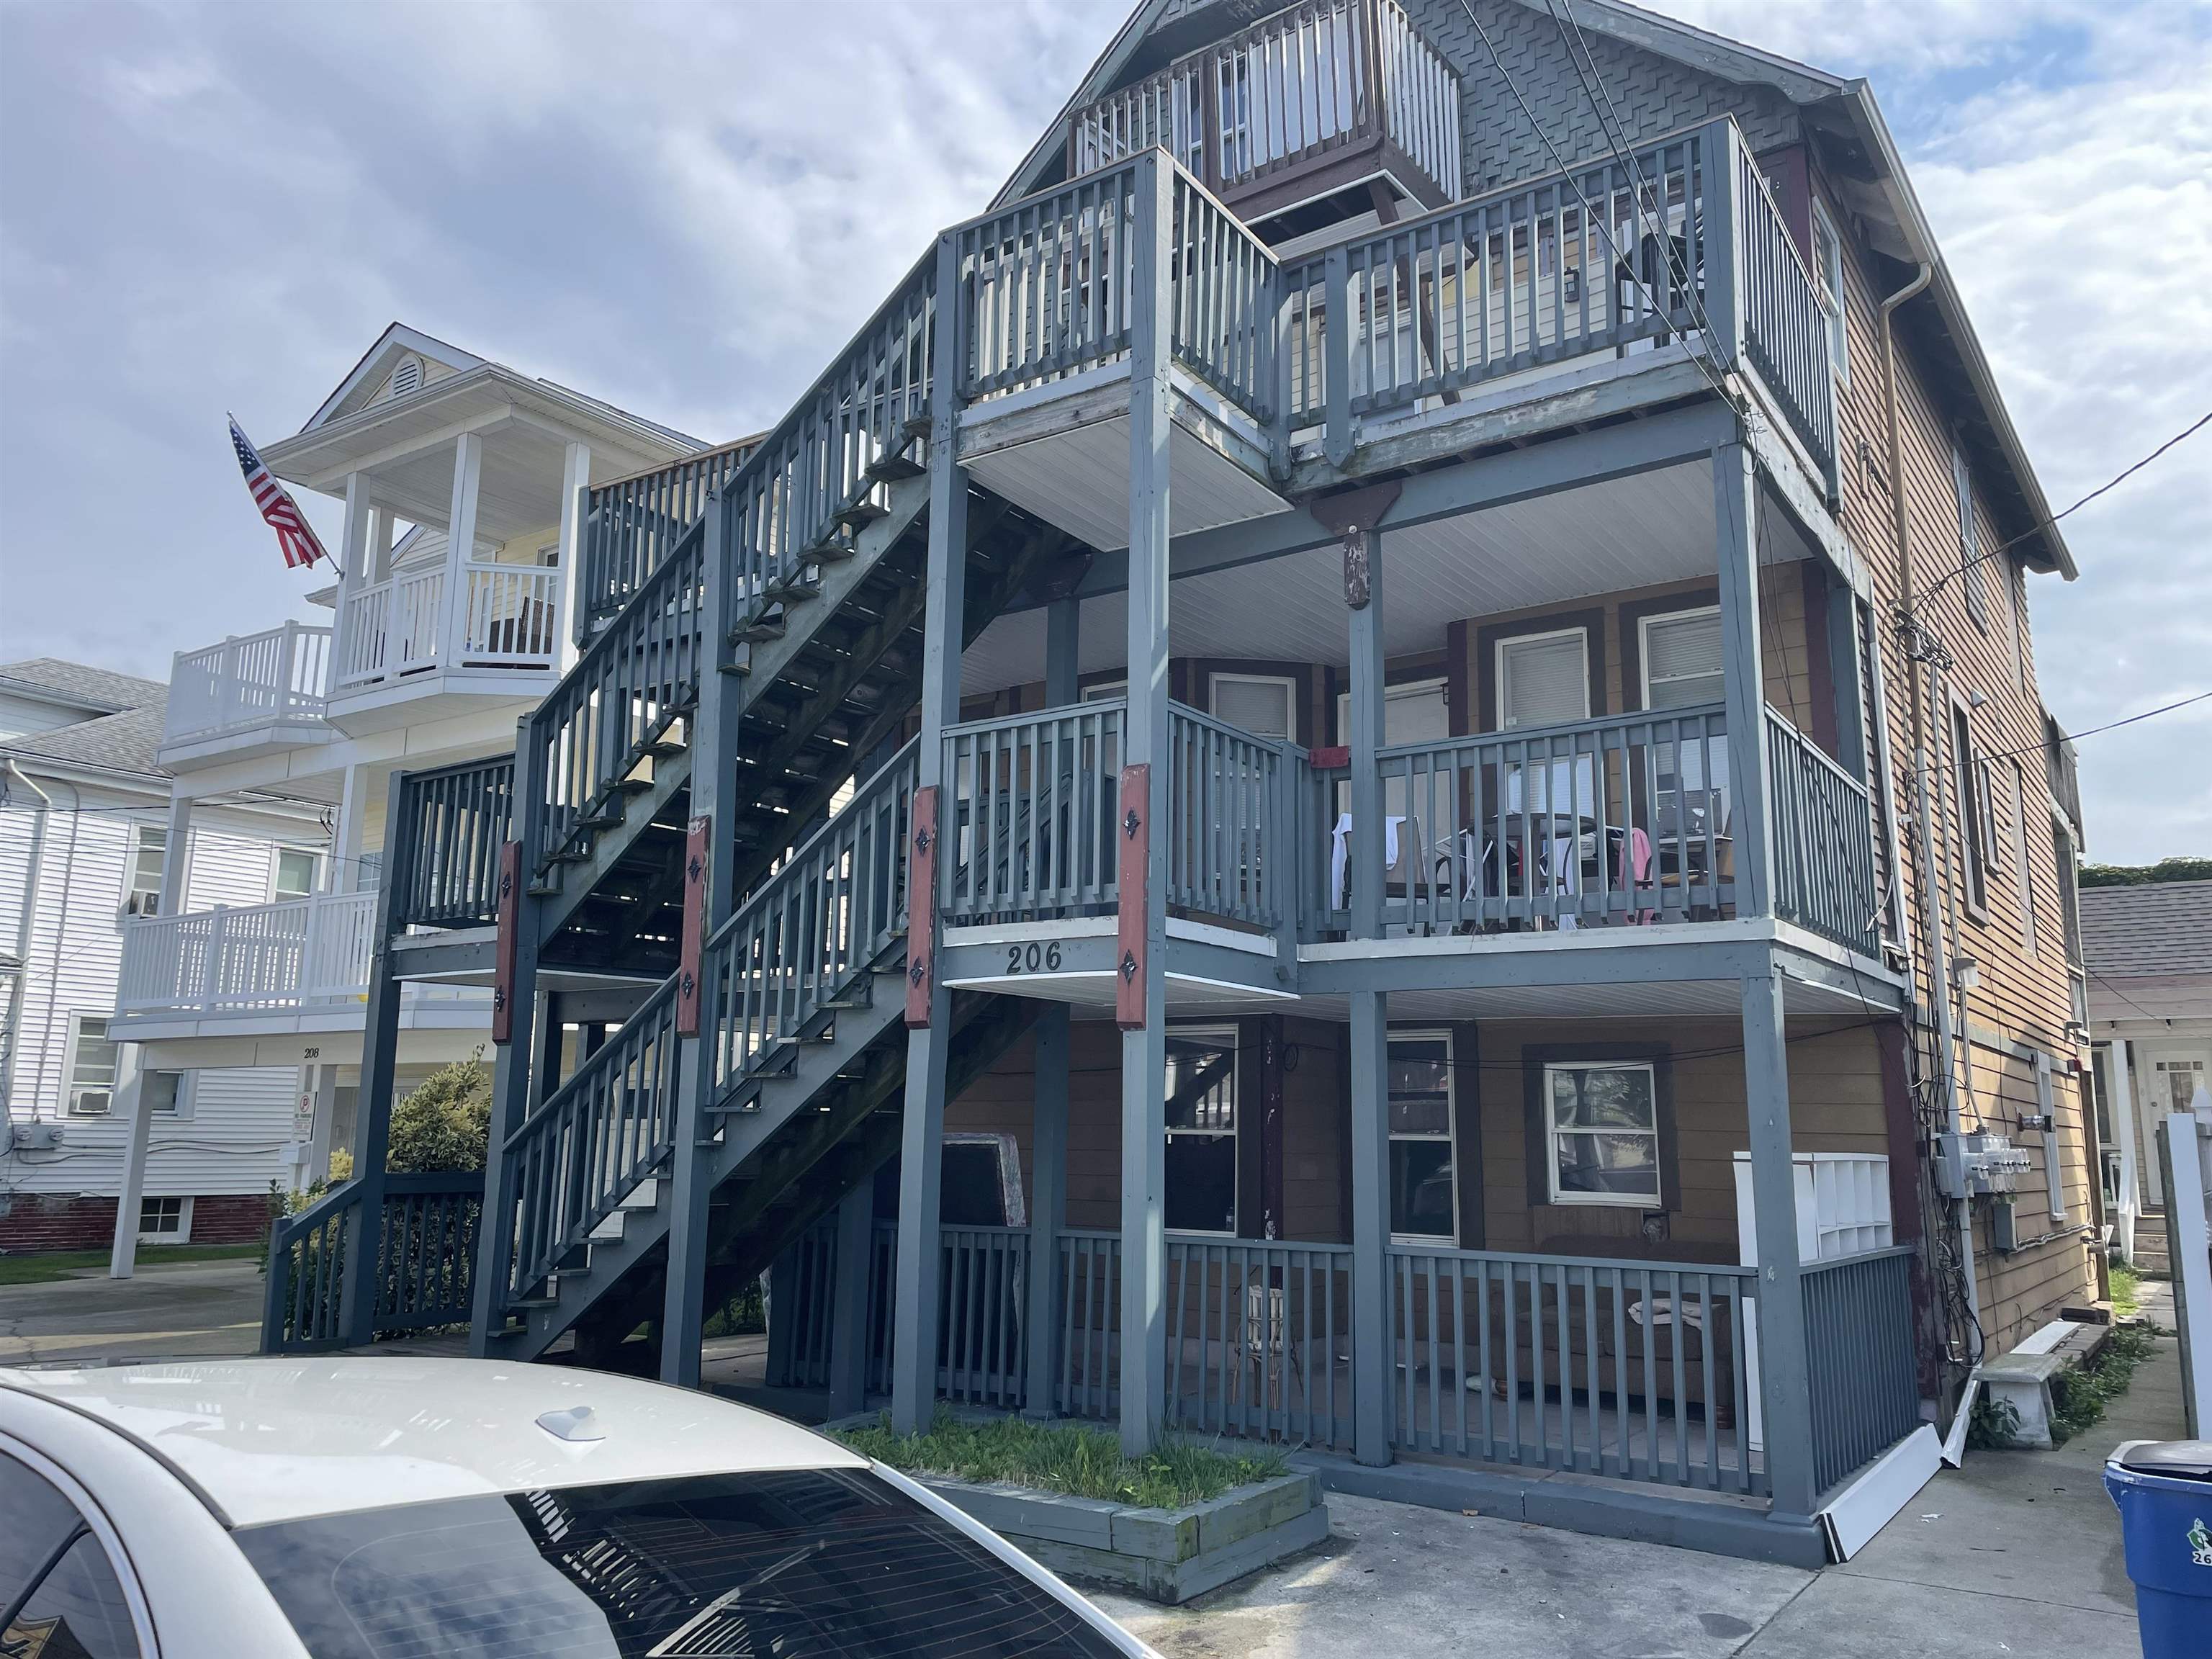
{"x":1028,"y":959}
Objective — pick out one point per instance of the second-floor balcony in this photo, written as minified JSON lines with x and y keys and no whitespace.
{"x":301,"y":963}
{"x":250,"y":694}
{"x":458,"y":615}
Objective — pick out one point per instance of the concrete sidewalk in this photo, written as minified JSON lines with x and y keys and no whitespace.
{"x":2017,"y":1554}
{"x":181,"y":1309}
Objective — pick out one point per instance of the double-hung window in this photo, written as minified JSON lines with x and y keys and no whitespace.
{"x":1543,"y":679}
{"x":1601,"y":1131}
{"x":1261,"y":704}
{"x":149,"y":852}
{"x":295,"y":872}
{"x":1971,"y":774}
{"x":1423,"y":1192}
{"x":92,"y":1067}
{"x":1201,"y":1130}
{"x":1828,"y":271}
{"x":1973,"y":568}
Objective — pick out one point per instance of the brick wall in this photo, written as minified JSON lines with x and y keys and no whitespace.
{"x":42,"y":1221}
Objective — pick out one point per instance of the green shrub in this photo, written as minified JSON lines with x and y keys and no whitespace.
{"x":445,"y":1122}
{"x":2078,"y":1397}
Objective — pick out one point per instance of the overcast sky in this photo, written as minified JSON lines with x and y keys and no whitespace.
{"x":683,"y":208}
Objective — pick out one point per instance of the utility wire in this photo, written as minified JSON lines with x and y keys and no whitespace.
{"x":2042,"y":524}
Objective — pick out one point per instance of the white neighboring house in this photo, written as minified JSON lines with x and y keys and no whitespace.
{"x":453,"y":614}
{"x":84,"y":821}
{"x":2149,"y":950}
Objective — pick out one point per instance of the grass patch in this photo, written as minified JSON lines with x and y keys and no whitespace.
{"x":2078,"y":1397}
{"x":46,"y":1266}
{"x":2127,"y":1288}
{"x":1083,"y":1462}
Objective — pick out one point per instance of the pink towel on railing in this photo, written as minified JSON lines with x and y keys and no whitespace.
{"x":1637,"y":853}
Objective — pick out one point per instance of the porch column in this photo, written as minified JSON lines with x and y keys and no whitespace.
{"x":356,"y":553}
{"x":372,"y":1130}
{"x":177,"y":857}
{"x":2120,"y":1109}
{"x":460,"y":547}
{"x":575,"y":485}
{"x":1049,"y":1123}
{"x":344,"y":872}
{"x":1369,"y":1010}
{"x":130,"y":1104}
{"x":1736,"y":527}
{"x":1146,"y":798}
{"x":319,"y":1088}
{"x":1783,"y":1381}
{"x":848,"y":1307}
{"x":711,"y":731}
{"x":929,"y":1006}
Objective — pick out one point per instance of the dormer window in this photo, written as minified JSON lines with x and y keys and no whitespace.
{"x":406,"y":377}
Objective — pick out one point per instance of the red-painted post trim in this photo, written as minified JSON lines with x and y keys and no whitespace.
{"x":921,"y":908}
{"x":698,"y":851}
{"x":1334,"y":759}
{"x":510,"y":921}
{"x":1133,"y":826}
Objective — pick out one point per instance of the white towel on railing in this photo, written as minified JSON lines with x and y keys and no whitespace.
{"x":1339,"y":854}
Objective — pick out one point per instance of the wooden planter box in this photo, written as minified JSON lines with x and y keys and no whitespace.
{"x":1164,"y":1555}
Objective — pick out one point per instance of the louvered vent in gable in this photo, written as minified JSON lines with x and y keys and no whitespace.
{"x":406,"y":377}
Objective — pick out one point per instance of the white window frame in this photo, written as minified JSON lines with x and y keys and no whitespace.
{"x":1226,"y":1036}
{"x":183,"y":1232}
{"x":1104,"y":690}
{"x":139,"y":901}
{"x":1450,"y":1136}
{"x":182,"y":1102}
{"x":1828,"y":276}
{"x":1290,"y":696}
{"x":1644,"y":646}
{"x":71,"y":1090}
{"x":1580,"y":634}
{"x":276,"y":856}
{"x":1655,"y":1200}
{"x":1436,"y":686}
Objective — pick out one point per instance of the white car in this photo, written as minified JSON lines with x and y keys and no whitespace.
{"x":371,"y":1508}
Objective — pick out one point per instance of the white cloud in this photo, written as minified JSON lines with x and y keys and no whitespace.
{"x":683,"y":208}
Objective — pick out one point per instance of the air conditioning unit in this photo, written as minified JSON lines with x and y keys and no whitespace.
{"x":39,"y":1135}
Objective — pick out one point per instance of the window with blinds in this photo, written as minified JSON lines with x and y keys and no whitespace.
{"x":1544,"y":679}
{"x":1260,"y":704}
{"x":1682,"y":659}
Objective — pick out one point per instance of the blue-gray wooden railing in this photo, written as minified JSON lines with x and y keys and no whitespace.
{"x":1785,"y":329}
{"x":448,"y":826}
{"x":1622,"y":819}
{"x":632,"y":523}
{"x":1632,"y":1369}
{"x":1031,"y":807}
{"x":982,"y":1314}
{"x":1858,"y":1352}
{"x":426,"y":1242}
{"x":1260,"y":1339}
{"x":833,"y":910}
{"x":1822,"y":821}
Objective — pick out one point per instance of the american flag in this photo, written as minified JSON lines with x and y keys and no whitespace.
{"x":276,"y":505}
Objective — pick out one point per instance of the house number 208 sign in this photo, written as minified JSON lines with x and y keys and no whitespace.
{"x":1033,"y":959}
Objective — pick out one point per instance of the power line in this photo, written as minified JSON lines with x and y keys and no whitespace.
{"x":2042,"y":524}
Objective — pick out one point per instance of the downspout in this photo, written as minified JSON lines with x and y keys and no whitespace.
{"x":24,"y":930}
{"x":1922,"y":685}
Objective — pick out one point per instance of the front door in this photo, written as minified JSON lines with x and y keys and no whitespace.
{"x":2170,"y":1078}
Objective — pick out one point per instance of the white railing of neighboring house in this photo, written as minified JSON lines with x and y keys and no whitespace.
{"x":295,"y":953}
{"x":390,"y":629}
{"x":249,"y":680}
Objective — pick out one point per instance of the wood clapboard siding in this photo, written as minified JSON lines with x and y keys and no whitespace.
{"x":237,"y":1122}
{"x":2023,"y":996}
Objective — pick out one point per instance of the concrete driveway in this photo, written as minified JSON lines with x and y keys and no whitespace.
{"x":183,"y":1310}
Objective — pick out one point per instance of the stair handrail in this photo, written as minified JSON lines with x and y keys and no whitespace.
{"x":570,"y":1168}
{"x":322,"y":1317}
{"x":815,"y":932}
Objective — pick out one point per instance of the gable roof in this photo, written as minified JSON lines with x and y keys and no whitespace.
{"x":2159,"y":930}
{"x":1857,"y":146}
{"x":397,"y":340}
{"x":80,"y":684}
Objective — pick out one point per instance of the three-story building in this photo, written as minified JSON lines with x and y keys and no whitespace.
{"x":1384,"y":729}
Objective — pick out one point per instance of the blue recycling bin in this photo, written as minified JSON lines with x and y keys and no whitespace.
{"x":2164,"y":1492}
